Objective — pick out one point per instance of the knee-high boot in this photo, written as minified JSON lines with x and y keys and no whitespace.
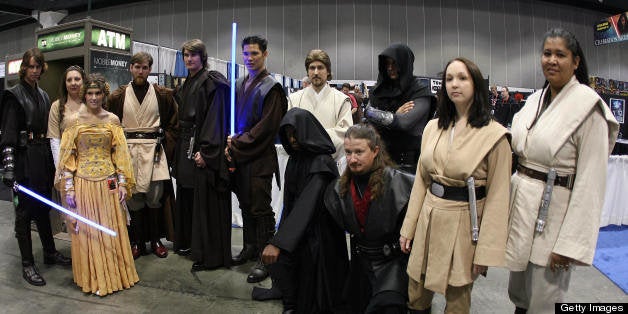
{"x":265,"y":231}
{"x":250,"y":251}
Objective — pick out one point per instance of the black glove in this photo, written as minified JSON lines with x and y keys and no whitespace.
{"x":8,"y":179}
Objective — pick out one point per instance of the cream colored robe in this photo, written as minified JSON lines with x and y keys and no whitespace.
{"x":144,"y":118}
{"x":574,"y":135}
{"x":331,"y":107}
{"x":441,"y":229}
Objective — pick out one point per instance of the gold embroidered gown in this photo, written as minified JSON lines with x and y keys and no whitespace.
{"x":101,"y":263}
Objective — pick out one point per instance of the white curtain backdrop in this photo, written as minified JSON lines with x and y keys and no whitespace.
{"x":615,"y":210}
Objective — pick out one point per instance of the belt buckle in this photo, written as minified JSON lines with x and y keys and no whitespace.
{"x":387,"y":250}
{"x":437,"y":189}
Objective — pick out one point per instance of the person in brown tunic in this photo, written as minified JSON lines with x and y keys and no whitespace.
{"x":463,"y":143}
{"x":148,"y":114}
{"x":260,"y":105}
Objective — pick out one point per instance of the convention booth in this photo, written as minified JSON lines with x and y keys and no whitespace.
{"x":615,"y":210}
{"x":94,"y":45}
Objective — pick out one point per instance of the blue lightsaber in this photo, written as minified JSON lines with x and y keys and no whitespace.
{"x":234,"y":28}
{"x":42,"y":199}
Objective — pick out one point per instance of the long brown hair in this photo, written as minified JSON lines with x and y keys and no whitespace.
{"x":36,"y":54}
{"x":63,"y":89}
{"x":381,"y":161}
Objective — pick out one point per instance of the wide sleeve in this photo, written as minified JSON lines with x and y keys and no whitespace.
{"x":416,"y":119}
{"x":343,"y":121}
{"x":250,"y":145}
{"x":417,"y":196}
{"x":294,"y":225}
{"x":491,"y":246}
{"x":121,"y":157}
{"x":54,"y":121}
{"x":213,"y":131}
{"x":67,"y":156}
{"x":172,"y":128}
{"x":578,"y":234}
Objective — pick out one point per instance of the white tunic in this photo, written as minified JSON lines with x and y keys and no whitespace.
{"x":575,"y":136}
{"x":331,"y":107}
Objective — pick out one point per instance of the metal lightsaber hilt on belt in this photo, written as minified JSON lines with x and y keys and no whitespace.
{"x":545,"y":201}
{"x":473,"y":210}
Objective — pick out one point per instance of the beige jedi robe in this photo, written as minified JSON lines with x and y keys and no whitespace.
{"x":331,"y":107}
{"x":441,"y":229}
{"x":574,"y":135}
{"x":144,"y":118}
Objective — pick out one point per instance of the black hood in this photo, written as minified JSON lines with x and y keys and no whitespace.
{"x":311,"y":135}
{"x":404,"y":58}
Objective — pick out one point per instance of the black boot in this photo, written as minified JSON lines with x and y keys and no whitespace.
{"x":263,"y":294}
{"x":250,"y":250}
{"x":57,"y":258}
{"x":249,"y":253}
{"x":258,"y":273}
{"x":426,"y":311}
{"x":31,"y":275}
{"x":520,"y":310}
{"x":265,"y":231}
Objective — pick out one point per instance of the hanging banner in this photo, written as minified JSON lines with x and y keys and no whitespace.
{"x":611,"y":30}
{"x":61,"y":40}
{"x":113,"y":66}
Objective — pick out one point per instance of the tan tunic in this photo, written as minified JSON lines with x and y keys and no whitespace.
{"x":331,"y":107}
{"x":574,"y":135}
{"x":442,"y":248}
{"x":56,"y":127}
{"x":144,"y":118}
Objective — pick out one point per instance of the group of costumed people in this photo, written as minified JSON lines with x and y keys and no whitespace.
{"x":429,"y":204}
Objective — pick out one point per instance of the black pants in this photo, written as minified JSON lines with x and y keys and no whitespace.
{"x":183,"y":218}
{"x":29,"y":209}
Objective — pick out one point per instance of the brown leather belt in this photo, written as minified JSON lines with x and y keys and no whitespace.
{"x":140,"y":135}
{"x":564,"y":181}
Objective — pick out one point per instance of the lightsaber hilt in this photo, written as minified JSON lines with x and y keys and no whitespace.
{"x":545,"y":201}
{"x":473,"y":210}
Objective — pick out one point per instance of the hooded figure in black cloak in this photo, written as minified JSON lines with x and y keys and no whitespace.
{"x":401,"y":104}
{"x":307,"y":255}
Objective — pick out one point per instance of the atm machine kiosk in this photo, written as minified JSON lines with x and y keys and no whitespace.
{"x":96,"y":46}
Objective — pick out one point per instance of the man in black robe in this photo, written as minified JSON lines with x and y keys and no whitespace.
{"x":307,"y":257}
{"x":401,"y":105}
{"x":27,"y":159}
{"x":201,"y":170}
{"x":369,"y":201}
{"x":260,"y":105}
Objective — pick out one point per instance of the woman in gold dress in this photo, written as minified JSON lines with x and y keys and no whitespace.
{"x":94,"y":174}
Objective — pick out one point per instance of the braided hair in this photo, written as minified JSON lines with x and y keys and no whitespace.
{"x":96,"y":80}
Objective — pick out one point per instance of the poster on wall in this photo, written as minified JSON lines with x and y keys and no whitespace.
{"x":611,"y":29}
{"x":618,"y":107}
{"x":113,"y":66}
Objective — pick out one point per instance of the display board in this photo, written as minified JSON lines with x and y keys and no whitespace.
{"x":113,"y":66}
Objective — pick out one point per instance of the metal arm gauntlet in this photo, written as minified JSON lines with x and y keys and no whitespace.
{"x":377,"y":116}
{"x":7,"y":159}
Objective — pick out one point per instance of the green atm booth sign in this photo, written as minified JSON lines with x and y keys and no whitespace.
{"x":111,"y":39}
{"x":61,"y":40}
